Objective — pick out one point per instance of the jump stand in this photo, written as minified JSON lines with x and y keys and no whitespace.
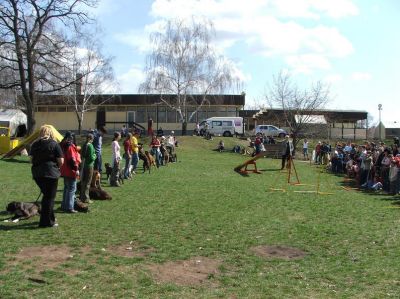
{"x":242,"y":168}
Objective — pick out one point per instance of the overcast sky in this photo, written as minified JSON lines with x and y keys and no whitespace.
{"x":353,"y":45}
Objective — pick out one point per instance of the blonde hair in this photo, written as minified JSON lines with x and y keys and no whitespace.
{"x":46,"y":132}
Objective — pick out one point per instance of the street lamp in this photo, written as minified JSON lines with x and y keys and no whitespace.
{"x":380,"y":124}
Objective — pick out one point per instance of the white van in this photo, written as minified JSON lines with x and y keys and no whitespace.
{"x":225,"y":126}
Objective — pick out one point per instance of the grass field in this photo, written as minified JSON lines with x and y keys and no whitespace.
{"x":200,"y":211}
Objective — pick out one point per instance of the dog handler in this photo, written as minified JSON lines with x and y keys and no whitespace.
{"x":88,"y":156}
{"x":70,"y":172}
{"x":47,"y":158}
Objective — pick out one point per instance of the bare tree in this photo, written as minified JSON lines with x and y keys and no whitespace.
{"x":299,"y":107}
{"x":31,"y":46}
{"x":93,"y":75}
{"x":183,"y":63}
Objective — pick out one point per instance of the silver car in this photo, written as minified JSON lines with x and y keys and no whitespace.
{"x":270,"y":130}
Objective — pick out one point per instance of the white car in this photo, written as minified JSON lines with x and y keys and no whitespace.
{"x":270,"y":130}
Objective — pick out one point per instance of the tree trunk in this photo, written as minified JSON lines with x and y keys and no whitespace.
{"x":184,"y":128}
{"x":30,"y":120}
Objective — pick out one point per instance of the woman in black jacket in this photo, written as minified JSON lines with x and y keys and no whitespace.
{"x":47,"y":158}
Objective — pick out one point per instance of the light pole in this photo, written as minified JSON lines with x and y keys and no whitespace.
{"x":380,"y":124}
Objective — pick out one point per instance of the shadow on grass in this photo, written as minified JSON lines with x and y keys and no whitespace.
{"x":19,"y":225}
{"x":13,"y":160}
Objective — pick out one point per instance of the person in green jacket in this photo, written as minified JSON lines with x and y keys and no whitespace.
{"x":88,"y":156}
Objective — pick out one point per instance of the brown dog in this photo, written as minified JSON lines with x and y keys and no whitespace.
{"x":165,"y":154}
{"x":99,"y":194}
{"x":152,"y":161}
{"x":143,"y":157}
{"x":96,"y":178}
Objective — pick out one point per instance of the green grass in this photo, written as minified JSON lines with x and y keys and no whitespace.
{"x":201,"y":207}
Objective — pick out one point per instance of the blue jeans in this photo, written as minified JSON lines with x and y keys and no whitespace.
{"x":126,"y":169}
{"x":135,"y":161}
{"x":68,"y":200}
{"x":98,"y":162}
{"x":157,"y":155}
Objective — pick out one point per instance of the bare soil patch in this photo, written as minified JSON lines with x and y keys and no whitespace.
{"x":41,"y":258}
{"x":194,"y":272}
{"x":130,"y":250}
{"x":280,"y":252}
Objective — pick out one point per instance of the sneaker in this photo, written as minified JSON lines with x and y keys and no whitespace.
{"x":132,"y":172}
{"x":55,"y":225}
{"x":72,"y":211}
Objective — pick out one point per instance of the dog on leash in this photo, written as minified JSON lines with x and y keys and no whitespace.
{"x":95,"y":193}
{"x":165,"y":154}
{"x":108,"y":170}
{"x":152,"y":161}
{"x":22,"y":210}
{"x":143,"y":157}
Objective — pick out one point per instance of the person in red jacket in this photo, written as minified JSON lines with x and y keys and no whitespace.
{"x":70,"y":172}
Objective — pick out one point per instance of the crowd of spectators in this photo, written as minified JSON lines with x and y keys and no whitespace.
{"x":374,"y":166}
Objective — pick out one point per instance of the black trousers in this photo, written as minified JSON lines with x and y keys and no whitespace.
{"x":49,"y":189}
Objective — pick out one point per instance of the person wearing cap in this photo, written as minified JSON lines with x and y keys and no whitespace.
{"x":69,"y":171}
{"x":135,"y":150}
{"x":287,"y":150}
{"x":88,"y":156}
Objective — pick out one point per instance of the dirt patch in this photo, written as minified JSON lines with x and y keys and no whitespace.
{"x":41,"y":258}
{"x":194,"y":272}
{"x":280,"y":252}
{"x":130,"y":250}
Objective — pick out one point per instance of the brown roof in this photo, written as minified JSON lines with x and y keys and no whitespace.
{"x":143,"y":99}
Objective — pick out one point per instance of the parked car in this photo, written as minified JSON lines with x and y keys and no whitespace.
{"x":270,"y":130}
{"x":225,"y":126}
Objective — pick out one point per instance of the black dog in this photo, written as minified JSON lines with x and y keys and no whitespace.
{"x":108,"y":170}
{"x":23,"y":210}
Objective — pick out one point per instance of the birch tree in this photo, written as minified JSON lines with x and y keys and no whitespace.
{"x":299,"y":106}
{"x":93,"y":75}
{"x":183,"y":63}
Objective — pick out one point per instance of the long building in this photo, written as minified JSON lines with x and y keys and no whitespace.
{"x":126,"y":109}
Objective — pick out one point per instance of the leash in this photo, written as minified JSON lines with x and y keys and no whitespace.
{"x":37,"y":199}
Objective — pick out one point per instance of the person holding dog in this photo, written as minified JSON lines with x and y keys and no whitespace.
{"x":47,"y":158}
{"x":155,"y":149}
{"x":69,"y":171}
{"x":88,"y":156}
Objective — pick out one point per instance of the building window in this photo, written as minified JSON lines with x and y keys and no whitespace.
{"x":171,"y":115}
{"x":162,"y":115}
{"x":151,"y":112}
{"x":141,"y":115}
{"x":202,"y":114}
{"x":194,"y":117}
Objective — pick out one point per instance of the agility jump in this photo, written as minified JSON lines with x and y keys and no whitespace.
{"x":243,"y":168}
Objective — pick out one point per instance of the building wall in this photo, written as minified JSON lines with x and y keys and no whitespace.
{"x":65,"y":120}
{"x":336,"y":133}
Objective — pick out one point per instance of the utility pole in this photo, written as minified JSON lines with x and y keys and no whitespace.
{"x":380,"y":124}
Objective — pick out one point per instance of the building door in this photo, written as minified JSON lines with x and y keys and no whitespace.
{"x":101,"y":118}
{"x":130,"y":118}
